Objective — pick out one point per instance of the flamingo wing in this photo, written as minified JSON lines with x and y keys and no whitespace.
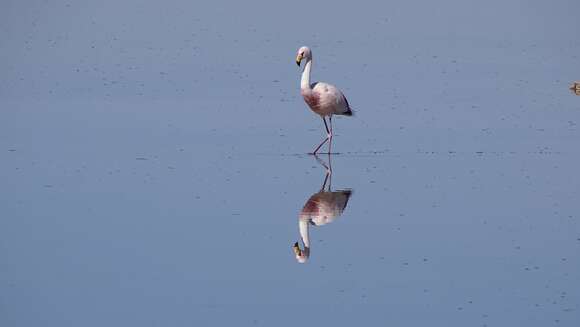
{"x":330,"y":100}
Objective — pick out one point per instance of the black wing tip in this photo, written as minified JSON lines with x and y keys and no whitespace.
{"x":348,"y":192}
{"x":349,"y":111}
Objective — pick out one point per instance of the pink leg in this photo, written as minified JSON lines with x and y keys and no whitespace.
{"x":330,"y":136}
{"x":325,"y":140}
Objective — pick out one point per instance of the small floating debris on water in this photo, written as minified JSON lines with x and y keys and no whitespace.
{"x":575,"y":88}
{"x":140,"y":158}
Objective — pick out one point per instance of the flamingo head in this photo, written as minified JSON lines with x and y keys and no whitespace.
{"x":303,"y":53}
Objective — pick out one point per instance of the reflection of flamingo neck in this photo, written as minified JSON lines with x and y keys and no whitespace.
{"x":303,"y":226}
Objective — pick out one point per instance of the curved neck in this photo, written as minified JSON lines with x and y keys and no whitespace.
{"x":305,"y":81}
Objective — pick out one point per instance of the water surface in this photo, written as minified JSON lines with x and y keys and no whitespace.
{"x":153,"y":164}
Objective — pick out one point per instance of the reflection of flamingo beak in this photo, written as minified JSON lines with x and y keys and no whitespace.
{"x":296,"y":249}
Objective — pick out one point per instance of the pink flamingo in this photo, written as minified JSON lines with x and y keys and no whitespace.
{"x":322,"y":98}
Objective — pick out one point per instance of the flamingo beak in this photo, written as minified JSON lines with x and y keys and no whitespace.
{"x":296,"y":249}
{"x":298,"y":59}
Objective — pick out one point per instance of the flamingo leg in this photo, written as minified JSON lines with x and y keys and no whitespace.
{"x":325,"y":140}
{"x":330,"y":136}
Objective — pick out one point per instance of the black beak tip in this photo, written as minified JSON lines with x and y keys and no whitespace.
{"x":298,"y":63}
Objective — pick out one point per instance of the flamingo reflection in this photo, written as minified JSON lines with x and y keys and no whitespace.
{"x":322,"y":208}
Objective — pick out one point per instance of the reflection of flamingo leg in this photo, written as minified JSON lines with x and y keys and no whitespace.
{"x":322,"y":189}
{"x":328,"y":168}
{"x":330,"y":165}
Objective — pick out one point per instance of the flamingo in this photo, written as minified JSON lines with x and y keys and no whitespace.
{"x":322,"y":98}
{"x":322,"y":208}
{"x":575,"y":88}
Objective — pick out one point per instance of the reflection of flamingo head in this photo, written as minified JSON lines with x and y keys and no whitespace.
{"x":301,"y":255}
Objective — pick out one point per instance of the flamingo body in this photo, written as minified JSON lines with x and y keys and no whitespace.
{"x":324,"y":207}
{"x":326,"y":100}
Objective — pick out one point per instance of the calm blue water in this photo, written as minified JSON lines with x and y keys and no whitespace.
{"x":153,"y":164}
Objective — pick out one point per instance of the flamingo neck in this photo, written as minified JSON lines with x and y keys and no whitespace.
{"x":305,"y":81}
